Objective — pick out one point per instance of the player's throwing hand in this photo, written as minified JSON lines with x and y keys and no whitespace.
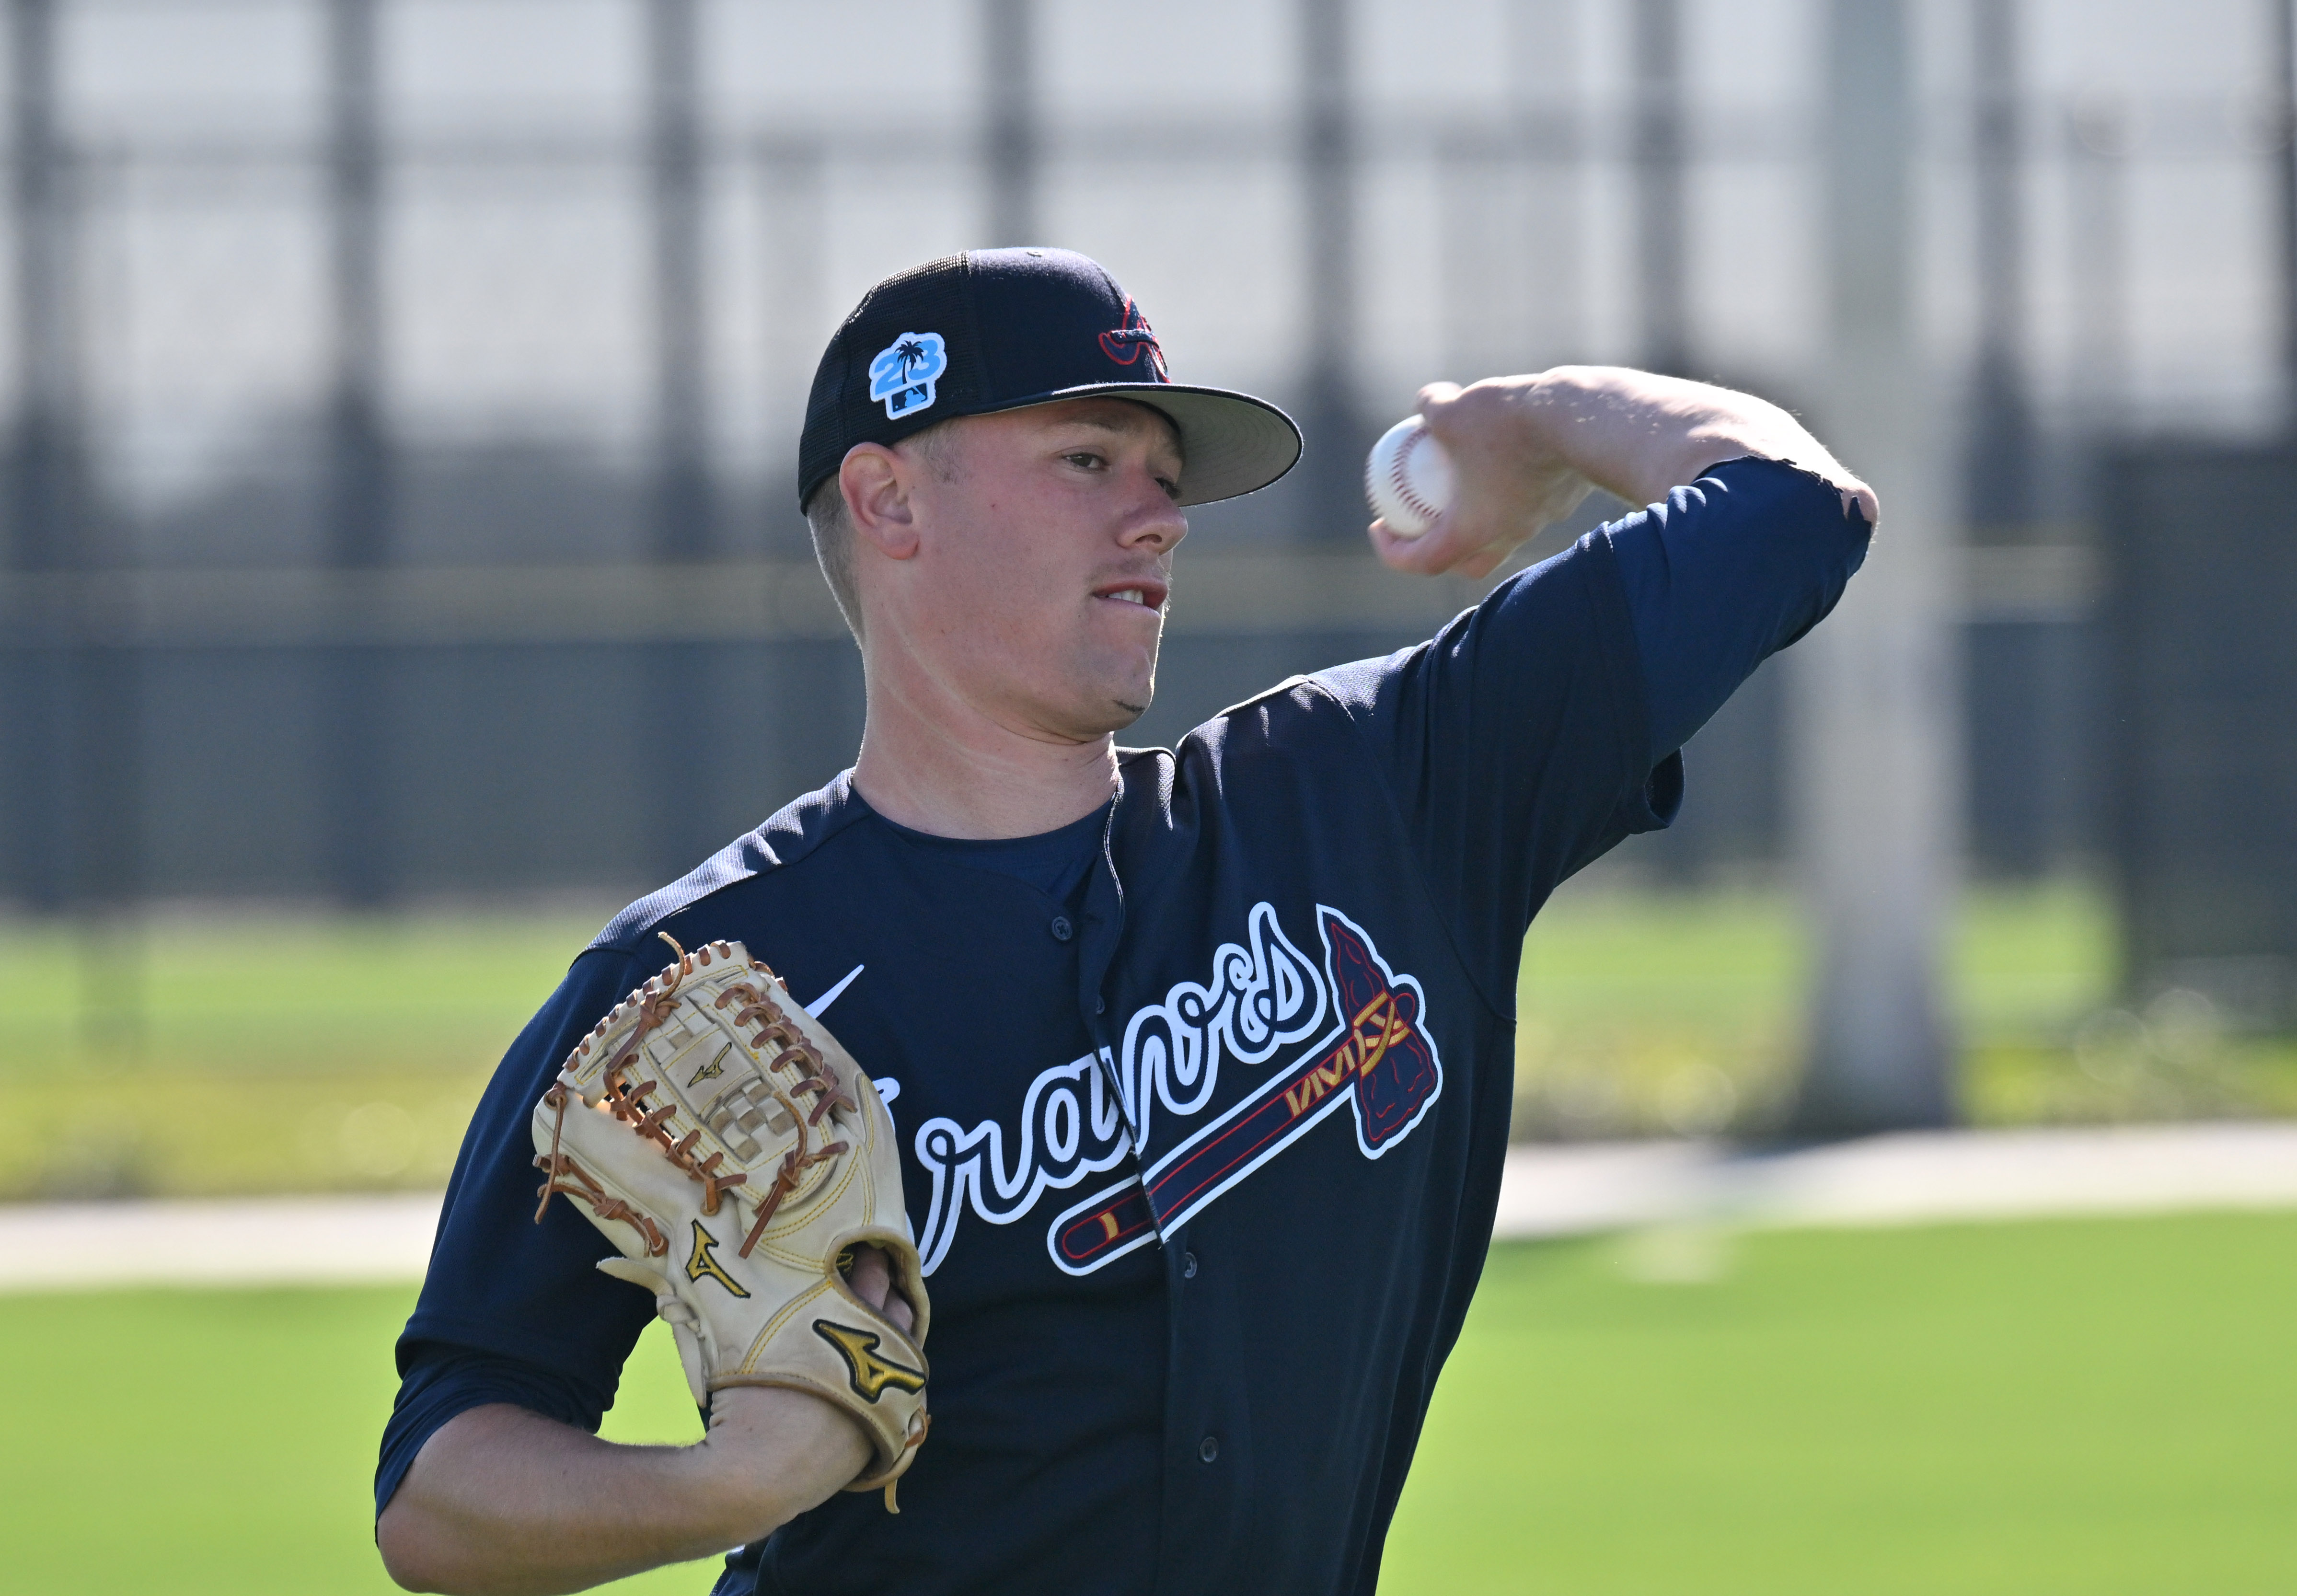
{"x":1526,"y":449}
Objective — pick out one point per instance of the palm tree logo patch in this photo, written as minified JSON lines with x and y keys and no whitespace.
{"x":904,"y":373}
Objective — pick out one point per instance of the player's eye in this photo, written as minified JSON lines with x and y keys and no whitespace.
{"x":1086,"y":460}
{"x":1172,"y":488}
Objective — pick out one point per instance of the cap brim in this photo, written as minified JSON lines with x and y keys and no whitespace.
{"x":1230,"y":443}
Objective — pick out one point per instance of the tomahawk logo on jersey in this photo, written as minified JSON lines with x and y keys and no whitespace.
{"x":1073,"y":1123}
{"x":1377,"y":1059}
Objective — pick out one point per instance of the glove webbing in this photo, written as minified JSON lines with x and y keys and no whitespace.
{"x":627,"y":1104}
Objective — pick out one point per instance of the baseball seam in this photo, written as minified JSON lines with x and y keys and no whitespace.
{"x":1400,"y":478}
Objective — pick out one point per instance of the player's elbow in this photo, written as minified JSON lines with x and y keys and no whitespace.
{"x":409,"y":1551}
{"x":424,"y":1549}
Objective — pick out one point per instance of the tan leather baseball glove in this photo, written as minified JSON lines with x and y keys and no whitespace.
{"x":735,"y":1155}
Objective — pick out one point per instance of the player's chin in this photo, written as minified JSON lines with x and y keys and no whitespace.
{"x":1120,"y":699}
{"x":1117,"y":679}
{"x":1130,"y":709}
{"x":1125,"y":702}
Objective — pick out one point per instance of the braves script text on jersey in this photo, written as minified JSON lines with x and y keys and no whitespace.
{"x":1201,"y":1153}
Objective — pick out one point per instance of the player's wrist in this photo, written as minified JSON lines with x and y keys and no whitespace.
{"x":771,"y":1454}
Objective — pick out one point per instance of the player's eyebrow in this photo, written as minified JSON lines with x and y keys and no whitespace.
{"x":1102,"y":421}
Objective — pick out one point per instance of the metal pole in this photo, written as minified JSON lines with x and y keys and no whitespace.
{"x":2284,"y":190}
{"x":1334,"y":496}
{"x":41,"y":541}
{"x":1548,"y":239}
{"x":1873,"y":687}
{"x":2100,"y":139}
{"x":1008,"y":42}
{"x":787,"y":190}
{"x":683,"y":507}
{"x":353,"y":783}
{"x":1663,"y":276}
{"x":683,"y":772}
{"x":358,"y":502}
{"x":2001,"y":443}
{"x":77,"y":740}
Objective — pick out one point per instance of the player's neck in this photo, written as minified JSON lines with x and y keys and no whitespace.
{"x":951,"y":769}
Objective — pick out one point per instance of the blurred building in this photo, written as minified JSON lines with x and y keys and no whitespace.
{"x":404,"y":393}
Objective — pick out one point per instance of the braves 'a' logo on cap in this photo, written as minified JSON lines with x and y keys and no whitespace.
{"x":904,"y":373}
{"x":1127,"y":344}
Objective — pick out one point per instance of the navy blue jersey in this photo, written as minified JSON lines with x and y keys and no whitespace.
{"x":1201,"y":1145}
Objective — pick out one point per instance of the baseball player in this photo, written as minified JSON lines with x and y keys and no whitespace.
{"x":1198,"y":1061}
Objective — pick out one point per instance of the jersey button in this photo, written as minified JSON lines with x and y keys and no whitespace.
{"x":1062,"y":929}
{"x":1209,"y":1448}
{"x":1188,"y":1266}
{"x":1101,"y":1005}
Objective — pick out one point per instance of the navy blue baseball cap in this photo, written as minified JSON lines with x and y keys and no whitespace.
{"x":995,"y":330}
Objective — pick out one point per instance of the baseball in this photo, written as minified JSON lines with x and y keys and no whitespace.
{"x":1408,"y":478}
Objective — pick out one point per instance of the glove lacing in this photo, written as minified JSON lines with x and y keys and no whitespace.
{"x":654,"y":1002}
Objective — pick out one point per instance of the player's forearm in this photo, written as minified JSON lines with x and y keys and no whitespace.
{"x":505,"y":1502}
{"x":1637,"y":434}
{"x":1526,"y":449}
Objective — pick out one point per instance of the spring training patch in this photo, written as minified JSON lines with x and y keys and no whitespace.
{"x":904,"y":373}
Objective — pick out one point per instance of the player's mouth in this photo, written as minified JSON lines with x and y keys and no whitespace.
{"x":1139,"y":592}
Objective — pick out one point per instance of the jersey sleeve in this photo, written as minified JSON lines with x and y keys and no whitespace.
{"x":1541,"y":728}
{"x":500,"y":1285}
{"x":438,"y":1381}
{"x":1723,"y":574}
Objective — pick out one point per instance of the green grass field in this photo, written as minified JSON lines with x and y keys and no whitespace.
{"x":255,"y":1052}
{"x":1651,"y":1014}
{"x":2085,"y":1409}
{"x":260,"y":1052}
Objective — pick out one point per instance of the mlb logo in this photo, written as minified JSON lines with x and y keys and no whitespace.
{"x":904,"y":373}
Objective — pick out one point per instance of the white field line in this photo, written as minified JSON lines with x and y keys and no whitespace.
{"x":1912,"y":1179}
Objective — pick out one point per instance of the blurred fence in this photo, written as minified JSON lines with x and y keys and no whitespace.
{"x":403,"y":394}
{"x":2202,"y":770}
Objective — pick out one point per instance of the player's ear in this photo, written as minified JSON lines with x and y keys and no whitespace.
{"x":875,"y":482}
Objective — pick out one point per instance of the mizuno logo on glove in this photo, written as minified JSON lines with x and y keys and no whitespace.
{"x":705,"y":1263}
{"x":871,"y":1373}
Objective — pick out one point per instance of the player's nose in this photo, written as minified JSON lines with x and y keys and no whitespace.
{"x":1152,"y":520}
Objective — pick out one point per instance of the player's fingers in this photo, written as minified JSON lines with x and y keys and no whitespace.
{"x":1394,"y":551}
{"x":872,"y":1280}
{"x":869,"y":1276}
{"x":1437,"y":396}
{"x":897,"y":1307}
{"x":1428,"y":555}
{"x":1450,"y":412}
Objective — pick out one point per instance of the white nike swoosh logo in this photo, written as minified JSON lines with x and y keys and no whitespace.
{"x":834,"y":993}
